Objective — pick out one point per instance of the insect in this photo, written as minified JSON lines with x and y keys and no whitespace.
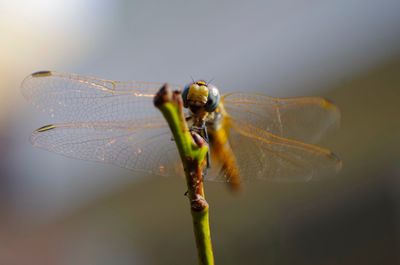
{"x":252,"y":136}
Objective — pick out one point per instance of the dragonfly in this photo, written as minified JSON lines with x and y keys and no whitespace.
{"x":252,"y":136}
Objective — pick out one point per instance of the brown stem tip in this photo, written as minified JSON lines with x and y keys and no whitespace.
{"x":162,"y":96}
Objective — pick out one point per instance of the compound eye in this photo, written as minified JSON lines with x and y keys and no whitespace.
{"x":213,"y":98}
{"x":214,"y":91}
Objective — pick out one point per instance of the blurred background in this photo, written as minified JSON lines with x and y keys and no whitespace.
{"x":56,"y":210}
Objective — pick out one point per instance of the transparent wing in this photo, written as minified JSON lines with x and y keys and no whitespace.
{"x":262,"y":155}
{"x":76,"y":98}
{"x":144,"y":145}
{"x":305,"y":119}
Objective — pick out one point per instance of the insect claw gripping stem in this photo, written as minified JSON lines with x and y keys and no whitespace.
{"x":193,"y":151}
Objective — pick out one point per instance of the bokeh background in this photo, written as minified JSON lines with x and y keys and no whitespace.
{"x":55,"y":210}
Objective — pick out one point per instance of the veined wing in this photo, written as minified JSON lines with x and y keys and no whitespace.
{"x":76,"y":98}
{"x":262,"y":155}
{"x":143,"y":145}
{"x":305,"y":119}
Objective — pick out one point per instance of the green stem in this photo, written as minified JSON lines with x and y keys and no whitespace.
{"x":193,"y":150}
{"x":202,"y":233}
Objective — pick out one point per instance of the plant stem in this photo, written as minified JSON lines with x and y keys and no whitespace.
{"x":201,"y":228}
{"x":193,"y":150}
